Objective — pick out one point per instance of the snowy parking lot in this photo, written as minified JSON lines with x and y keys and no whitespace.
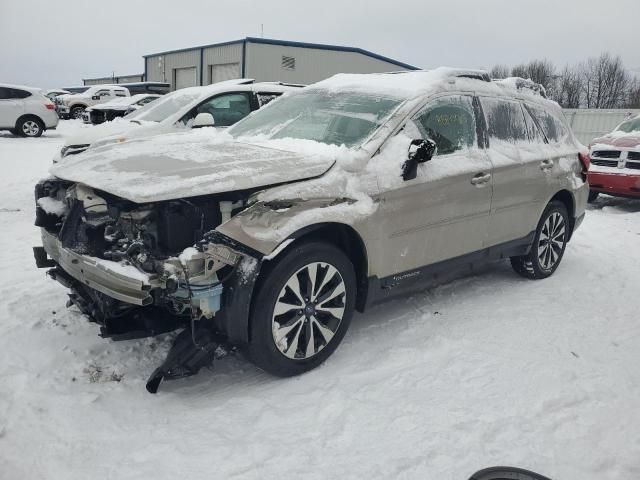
{"x":487,"y":370}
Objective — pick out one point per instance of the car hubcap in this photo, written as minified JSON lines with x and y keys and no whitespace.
{"x":308,"y":311}
{"x":30,"y":128}
{"x":551,"y":242}
{"x":77,"y":113}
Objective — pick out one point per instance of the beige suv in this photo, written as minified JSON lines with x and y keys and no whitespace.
{"x":332,"y":198}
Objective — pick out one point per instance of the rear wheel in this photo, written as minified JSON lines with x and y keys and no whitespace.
{"x":30,"y":127}
{"x":302,"y":309}
{"x":592,"y":196}
{"x":548,"y":246}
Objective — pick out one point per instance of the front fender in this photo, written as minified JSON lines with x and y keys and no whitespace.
{"x":265,"y":225}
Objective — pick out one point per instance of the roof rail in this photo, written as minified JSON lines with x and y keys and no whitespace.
{"x":520,"y":83}
{"x":286,"y":84}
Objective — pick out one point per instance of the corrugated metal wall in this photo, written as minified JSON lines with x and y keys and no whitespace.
{"x":590,"y":123}
{"x":112,"y":80}
{"x":160,"y":68}
{"x":222,"y":55}
{"x":265,"y":63}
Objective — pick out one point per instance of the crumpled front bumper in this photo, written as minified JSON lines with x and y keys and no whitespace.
{"x":126,"y":284}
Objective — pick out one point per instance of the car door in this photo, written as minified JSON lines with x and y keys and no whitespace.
{"x":443,"y":212}
{"x":226,"y":108}
{"x":11,"y":107}
{"x":517,"y":161}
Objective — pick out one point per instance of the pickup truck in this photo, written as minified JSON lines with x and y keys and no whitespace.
{"x":73,"y":106}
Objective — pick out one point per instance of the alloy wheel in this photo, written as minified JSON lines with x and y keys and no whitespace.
{"x":308,"y":311}
{"x":551,"y":241}
{"x":30,"y":128}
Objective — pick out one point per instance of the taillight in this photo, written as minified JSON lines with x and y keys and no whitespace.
{"x":585,"y":160}
{"x":50,"y":106}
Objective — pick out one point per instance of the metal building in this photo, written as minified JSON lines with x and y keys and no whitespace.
{"x":113,"y":80}
{"x":264,"y":60}
{"x":590,"y":123}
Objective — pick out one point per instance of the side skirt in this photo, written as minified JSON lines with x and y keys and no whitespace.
{"x":402,"y":283}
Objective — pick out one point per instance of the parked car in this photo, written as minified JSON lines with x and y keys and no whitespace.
{"x":72,"y":106}
{"x":330,"y":199}
{"x":105,"y":112}
{"x":159,"y":88}
{"x":25,"y":111}
{"x":615,"y":162}
{"x":53,"y":93}
{"x":77,"y":89}
{"x":222,"y":104}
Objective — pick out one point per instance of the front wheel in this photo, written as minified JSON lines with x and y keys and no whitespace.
{"x":302,"y":309}
{"x":76,"y":112}
{"x":549,"y":243}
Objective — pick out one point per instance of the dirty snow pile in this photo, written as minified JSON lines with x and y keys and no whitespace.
{"x":487,"y":370}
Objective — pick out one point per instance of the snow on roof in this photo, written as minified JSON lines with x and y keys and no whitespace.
{"x":22,"y":87}
{"x":413,"y":84}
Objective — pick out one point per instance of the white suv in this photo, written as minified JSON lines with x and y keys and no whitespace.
{"x":72,"y":106}
{"x":25,"y":111}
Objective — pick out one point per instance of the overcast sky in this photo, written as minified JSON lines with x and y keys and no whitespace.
{"x":52,"y":43}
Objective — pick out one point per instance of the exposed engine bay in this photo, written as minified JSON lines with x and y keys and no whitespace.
{"x":164,"y":242}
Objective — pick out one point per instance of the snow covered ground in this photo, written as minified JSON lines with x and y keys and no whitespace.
{"x":487,"y":370}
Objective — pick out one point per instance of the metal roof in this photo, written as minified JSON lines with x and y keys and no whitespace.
{"x":287,"y":43}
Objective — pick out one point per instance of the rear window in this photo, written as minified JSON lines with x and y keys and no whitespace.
{"x":552,"y":127}
{"x":505,"y":120}
{"x":9,"y":93}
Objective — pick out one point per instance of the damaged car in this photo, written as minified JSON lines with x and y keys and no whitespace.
{"x":270,"y":234}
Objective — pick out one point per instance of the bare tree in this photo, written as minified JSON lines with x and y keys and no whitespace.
{"x":539,"y":71}
{"x":499,"y":72}
{"x":569,"y":87}
{"x":605,"y":82}
{"x":633,"y":98}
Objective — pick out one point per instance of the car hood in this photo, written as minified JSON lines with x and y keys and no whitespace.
{"x":116,"y":128}
{"x":628,"y":140}
{"x":181,"y":165}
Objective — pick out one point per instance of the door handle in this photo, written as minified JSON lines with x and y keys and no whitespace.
{"x":481,"y":179}
{"x":546,"y":164}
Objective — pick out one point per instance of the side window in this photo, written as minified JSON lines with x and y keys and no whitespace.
{"x":15,"y":93}
{"x":120,"y":93}
{"x":4,"y":93}
{"x":264,"y":98}
{"x":226,"y":109}
{"x":552,"y":127}
{"x":450,"y":122}
{"x":103,"y":93}
{"x":532,"y":129}
{"x":505,"y":119}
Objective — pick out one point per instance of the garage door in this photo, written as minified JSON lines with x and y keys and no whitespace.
{"x":185,"y":77}
{"x":224,"y":71}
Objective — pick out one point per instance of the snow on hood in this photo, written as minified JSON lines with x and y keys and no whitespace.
{"x":187,"y":164}
{"x":89,"y":134}
{"x":618,"y":139}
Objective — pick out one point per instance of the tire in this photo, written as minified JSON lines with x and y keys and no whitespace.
{"x":15,"y":132}
{"x":31,"y":127}
{"x":592,"y":196}
{"x":76,"y":112}
{"x":545,"y":255}
{"x":271,"y":344}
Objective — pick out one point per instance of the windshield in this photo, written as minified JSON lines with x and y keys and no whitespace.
{"x":629,"y":126}
{"x":334,"y":118}
{"x":164,"y":107}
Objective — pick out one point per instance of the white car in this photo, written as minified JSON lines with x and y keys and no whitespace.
{"x":54,"y":92}
{"x":72,"y":106}
{"x":221,"y":104}
{"x":105,"y":112}
{"x":26,"y":111}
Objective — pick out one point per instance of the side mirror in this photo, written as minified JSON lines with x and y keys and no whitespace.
{"x":420,"y":151}
{"x":203,"y":120}
{"x":95,"y":97}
